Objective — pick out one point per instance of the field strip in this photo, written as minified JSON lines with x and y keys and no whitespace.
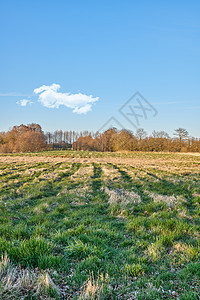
{"x":84,"y":172}
{"x":110,"y":173}
{"x":158,"y":163}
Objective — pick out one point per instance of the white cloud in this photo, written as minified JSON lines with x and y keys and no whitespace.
{"x":51,"y":98}
{"x":24,"y":102}
{"x":83,"y":109}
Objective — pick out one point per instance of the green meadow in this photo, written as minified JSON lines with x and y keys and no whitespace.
{"x":83,"y":225}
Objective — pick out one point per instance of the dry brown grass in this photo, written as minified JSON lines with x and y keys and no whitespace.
{"x":122,"y":199}
{"x":83,"y":172}
{"x":17,"y":283}
{"x":171,"y":201}
{"x":168,"y":162}
{"x":93,"y":289}
{"x":110,"y":173}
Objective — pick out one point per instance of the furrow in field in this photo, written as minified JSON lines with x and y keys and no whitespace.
{"x":110,"y":173}
{"x":83,"y":173}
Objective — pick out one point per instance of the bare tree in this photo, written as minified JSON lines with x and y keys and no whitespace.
{"x":181,"y":133}
{"x":140,"y":134}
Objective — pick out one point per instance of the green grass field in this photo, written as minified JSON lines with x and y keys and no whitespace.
{"x":83,"y":225}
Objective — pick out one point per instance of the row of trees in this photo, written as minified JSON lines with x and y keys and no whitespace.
{"x":124,"y":140}
{"x":30,"y":138}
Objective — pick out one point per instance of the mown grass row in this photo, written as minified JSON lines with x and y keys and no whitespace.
{"x":185,"y":158}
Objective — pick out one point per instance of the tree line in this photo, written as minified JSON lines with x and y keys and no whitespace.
{"x":31,"y":138}
{"x":124,"y":140}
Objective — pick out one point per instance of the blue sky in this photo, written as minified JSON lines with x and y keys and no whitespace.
{"x":107,"y":49}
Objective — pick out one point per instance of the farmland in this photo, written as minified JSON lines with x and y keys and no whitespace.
{"x":90,"y":225}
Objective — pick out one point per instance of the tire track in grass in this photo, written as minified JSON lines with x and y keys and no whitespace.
{"x":159,"y":186}
{"x":165,"y":186}
{"x":97,"y":182}
{"x":53,"y":187}
{"x":128,"y":183}
{"x":35,"y":194}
